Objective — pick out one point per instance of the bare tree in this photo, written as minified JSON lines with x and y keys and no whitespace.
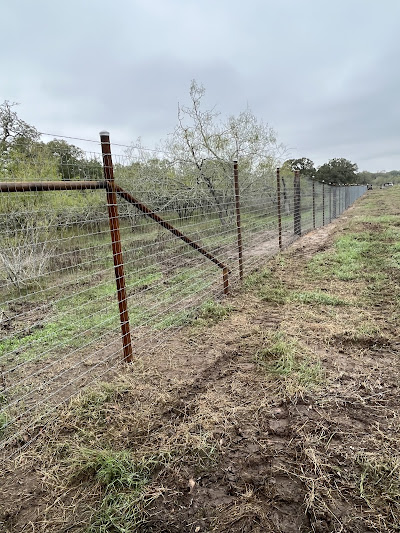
{"x":209,"y":144}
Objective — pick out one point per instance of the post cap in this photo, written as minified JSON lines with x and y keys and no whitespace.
{"x":104,"y":133}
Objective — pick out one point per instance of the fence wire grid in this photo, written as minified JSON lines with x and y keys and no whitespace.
{"x":60,"y":324}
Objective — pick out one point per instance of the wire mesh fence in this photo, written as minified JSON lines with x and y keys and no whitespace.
{"x":181,"y":232}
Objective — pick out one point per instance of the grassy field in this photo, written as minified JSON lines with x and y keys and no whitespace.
{"x":275,"y":409}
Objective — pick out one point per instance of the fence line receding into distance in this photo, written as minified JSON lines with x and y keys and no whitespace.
{"x":126,"y":246}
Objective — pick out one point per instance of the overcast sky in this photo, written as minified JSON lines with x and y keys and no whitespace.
{"x":324,"y":74}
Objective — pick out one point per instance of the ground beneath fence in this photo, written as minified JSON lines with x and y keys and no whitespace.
{"x":43,"y":384}
{"x":276,"y":410}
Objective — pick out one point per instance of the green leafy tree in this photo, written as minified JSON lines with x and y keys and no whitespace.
{"x":14,"y":132}
{"x":71,"y":161}
{"x":337,"y":171}
{"x":304,"y":165}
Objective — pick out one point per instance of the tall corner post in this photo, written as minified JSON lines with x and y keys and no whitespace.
{"x":323,"y":204}
{"x":278,"y":197}
{"x":296,"y":211}
{"x":113,"y":218}
{"x":238,"y":223}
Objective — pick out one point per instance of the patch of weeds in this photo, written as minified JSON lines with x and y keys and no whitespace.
{"x":277,"y":346}
{"x":344,"y":261}
{"x":379,"y":484}
{"x":317,"y":297}
{"x":395,"y":260}
{"x":120,"y":512}
{"x":122,"y":480}
{"x":203,"y":449}
{"x":268,"y":287}
{"x":90,"y":405}
{"x":213,"y":311}
{"x":3,"y":422}
{"x":280,"y":260}
{"x":111,"y":469}
{"x":277,"y":295}
{"x":283,"y":358}
{"x":367,"y":329}
{"x":257,"y":279}
{"x":382,"y":219}
{"x":391,"y":234}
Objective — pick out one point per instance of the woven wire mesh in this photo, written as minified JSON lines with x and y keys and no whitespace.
{"x":59,"y":316}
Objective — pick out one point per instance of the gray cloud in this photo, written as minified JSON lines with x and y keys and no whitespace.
{"x":323,"y":74}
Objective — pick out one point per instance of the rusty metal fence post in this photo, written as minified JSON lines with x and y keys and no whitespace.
{"x":278,"y":197}
{"x":116,"y":244}
{"x":323,"y":204}
{"x":313,"y":203}
{"x":238,"y":225}
{"x":334,"y":206}
{"x":296,"y":210}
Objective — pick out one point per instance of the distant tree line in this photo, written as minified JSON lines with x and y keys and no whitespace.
{"x":199,"y":161}
{"x":339,"y":171}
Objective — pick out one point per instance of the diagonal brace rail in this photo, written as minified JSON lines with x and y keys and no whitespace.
{"x":151,"y":214}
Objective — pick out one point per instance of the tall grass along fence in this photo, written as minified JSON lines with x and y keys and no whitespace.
{"x":127,"y":247}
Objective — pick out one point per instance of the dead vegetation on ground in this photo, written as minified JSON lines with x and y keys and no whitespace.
{"x":276,"y":410}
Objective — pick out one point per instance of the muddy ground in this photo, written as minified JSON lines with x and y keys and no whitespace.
{"x":278,"y":411}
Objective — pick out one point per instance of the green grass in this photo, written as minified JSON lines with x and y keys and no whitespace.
{"x":316,"y":297}
{"x":120,"y":512}
{"x":380,"y":219}
{"x":345,"y":262}
{"x":111,"y":469}
{"x":257,"y":279}
{"x":379,"y":484}
{"x":78,"y":313}
{"x":277,"y":346}
{"x":282,"y":357}
{"x":79,"y":319}
{"x":207,"y":313}
{"x":3,"y":422}
{"x":89,"y":313}
{"x":90,"y":405}
{"x":212,"y":311}
{"x":122,"y":481}
{"x":271,"y":289}
{"x":363,"y":255}
{"x":173,"y":320}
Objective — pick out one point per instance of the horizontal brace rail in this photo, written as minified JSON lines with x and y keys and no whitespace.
{"x":38,"y":186}
{"x":151,"y":214}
